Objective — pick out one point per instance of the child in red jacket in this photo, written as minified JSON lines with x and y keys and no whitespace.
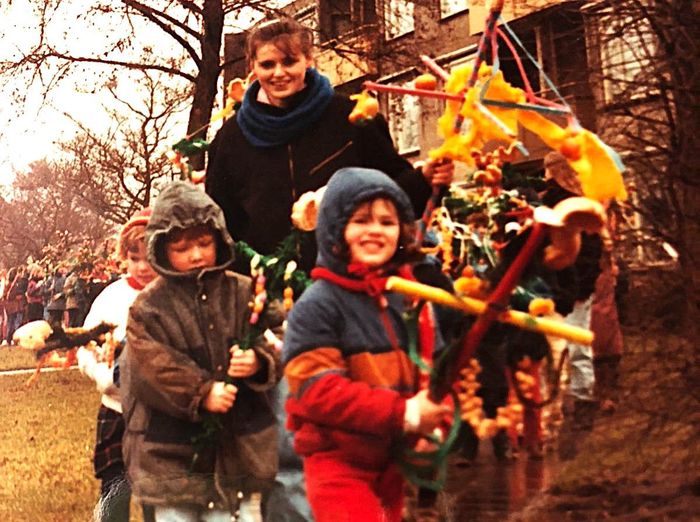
{"x":352,"y":384}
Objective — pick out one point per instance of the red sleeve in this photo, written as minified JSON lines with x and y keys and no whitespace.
{"x":335,"y":401}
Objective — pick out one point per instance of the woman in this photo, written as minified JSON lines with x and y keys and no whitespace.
{"x":289,"y":136}
{"x":35,"y":294}
{"x":17,"y":301}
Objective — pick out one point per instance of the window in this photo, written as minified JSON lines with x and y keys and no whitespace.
{"x":509,"y":65}
{"x":647,"y":214}
{"x":340,"y":17}
{"x":404,"y":120}
{"x":398,"y":18}
{"x":450,"y":7}
{"x":307,"y":18}
{"x":627,"y":49}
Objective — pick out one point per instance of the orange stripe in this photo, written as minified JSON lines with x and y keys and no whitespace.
{"x":386,"y":370}
{"x":308,"y":364}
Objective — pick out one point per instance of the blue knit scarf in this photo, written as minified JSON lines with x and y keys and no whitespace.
{"x":263,"y":129}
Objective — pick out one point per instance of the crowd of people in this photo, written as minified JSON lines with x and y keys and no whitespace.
{"x":62,"y":295}
{"x":311,"y":431}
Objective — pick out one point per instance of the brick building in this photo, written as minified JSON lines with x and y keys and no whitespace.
{"x":591,"y":61}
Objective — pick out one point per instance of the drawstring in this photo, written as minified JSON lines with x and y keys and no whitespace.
{"x":370,"y":282}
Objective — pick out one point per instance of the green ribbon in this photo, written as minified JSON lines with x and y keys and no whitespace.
{"x":416,"y":466}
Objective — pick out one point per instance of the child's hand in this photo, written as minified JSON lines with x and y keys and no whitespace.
{"x":424,"y":415}
{"x":244,"y":363}
{"x":220,"y":398}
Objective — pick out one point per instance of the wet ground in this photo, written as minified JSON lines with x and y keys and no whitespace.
{"x":489,"y":490}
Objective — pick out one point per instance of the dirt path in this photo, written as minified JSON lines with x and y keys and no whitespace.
{"x":489,"y":490}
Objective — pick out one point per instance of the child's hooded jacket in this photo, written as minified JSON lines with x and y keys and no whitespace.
{"x":348,"y":372}
{"x":179,"y":332}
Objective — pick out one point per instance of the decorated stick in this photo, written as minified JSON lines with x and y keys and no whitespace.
{"x":473,"y":306}
{"x":372,"y":86}
{"x":437,"y":70}
{"x":497,"y":301}
{"x":494,"y":13}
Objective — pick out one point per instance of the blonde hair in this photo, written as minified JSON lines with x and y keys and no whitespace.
{"x":36,"y":271}
{"x":131,"y":240}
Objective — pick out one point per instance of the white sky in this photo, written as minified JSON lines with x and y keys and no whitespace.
{"x":31,"y":135}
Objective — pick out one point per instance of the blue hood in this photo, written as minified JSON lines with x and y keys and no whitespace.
{"x":346,"y":189}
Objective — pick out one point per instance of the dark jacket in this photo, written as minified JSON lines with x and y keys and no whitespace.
{"x":56,"y":301}
{"x":257,"y":186}
{"x":179,"y":332}
{"x":576,"y":282}
{"x":18,"y":290}
{"x":348,"y":380}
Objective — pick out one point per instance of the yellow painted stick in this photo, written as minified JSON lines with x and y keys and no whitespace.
{"x":476,"y":307}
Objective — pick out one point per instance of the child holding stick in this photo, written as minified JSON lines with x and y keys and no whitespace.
{"x":181,"y":345}
{"x":112,"y":306}
{"x":352,"y":384}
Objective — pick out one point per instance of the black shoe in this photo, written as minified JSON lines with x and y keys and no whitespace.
{"x":584,"y":414}
{"x":502,"y":449}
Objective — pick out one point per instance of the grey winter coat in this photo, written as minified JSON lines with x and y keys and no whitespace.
{"x":57,"y":300}
{"x":179,"y":333}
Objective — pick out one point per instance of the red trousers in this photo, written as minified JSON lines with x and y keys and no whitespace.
{"x":340,"y":492}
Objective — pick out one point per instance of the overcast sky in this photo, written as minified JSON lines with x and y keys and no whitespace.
{"x":30,"y":135}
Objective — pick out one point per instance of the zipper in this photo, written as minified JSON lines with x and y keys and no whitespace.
{"x":291,"y":171}
{"x":201,"y":307}
{"x":407,"y":375}
{"x":330,"y":158}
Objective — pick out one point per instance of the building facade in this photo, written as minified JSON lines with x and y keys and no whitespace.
{"x":592,"y":62}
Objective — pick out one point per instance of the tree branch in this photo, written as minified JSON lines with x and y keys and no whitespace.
{"x":51,"y":53}
{"x":155,"y":17}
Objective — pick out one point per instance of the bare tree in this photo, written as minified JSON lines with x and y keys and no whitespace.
{"x":648,"y":97}
{"x":124,"y":37}
{"x":118,"y":171}
{"x":39,"y":209}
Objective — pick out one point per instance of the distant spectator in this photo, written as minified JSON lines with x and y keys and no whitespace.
{"x":75,"y":292}
{"x":4,"y":286}
{"x":16,"y":302}
{"x":35,"y":294}
{"x":56,"y":306}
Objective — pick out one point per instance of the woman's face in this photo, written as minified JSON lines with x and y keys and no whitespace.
{"x":280,"y":75}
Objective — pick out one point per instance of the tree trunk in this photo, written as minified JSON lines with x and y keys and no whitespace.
{"x":681,"y":25}
{"x":206,"y":83}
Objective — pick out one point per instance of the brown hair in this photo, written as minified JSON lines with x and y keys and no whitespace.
{"x":407,"y":249}
{"x":288,"y":35}
{"x":131,"y":239}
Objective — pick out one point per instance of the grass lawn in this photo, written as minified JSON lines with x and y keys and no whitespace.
{"x":12,"y":358}
{"x":643,"y":462}
{"x":47,"y":435}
